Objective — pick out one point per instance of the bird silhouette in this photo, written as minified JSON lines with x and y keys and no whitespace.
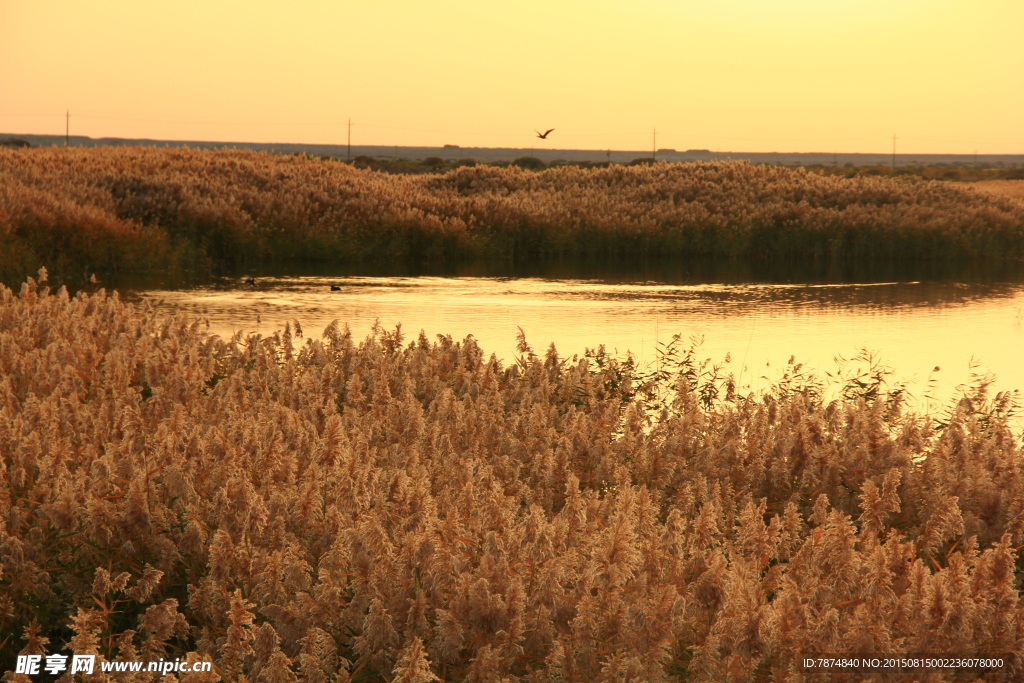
{"x":250,"y":281}
{"x":335,"y":288}
{"x":544,"y":135}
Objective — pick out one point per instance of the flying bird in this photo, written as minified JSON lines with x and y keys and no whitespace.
{"x":544,"y":135}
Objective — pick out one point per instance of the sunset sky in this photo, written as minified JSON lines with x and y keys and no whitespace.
{"x":944,"y":76}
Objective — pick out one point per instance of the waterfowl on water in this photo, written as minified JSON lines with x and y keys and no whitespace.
{"x":250,"y":281}
{"x":544,"y":135}
{"x":335,"y":288}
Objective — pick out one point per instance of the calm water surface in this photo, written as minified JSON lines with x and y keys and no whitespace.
{"x":914,"y":327}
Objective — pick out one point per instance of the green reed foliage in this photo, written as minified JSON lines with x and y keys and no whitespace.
{"x":333,"y":510}
{"x":83,"y":210}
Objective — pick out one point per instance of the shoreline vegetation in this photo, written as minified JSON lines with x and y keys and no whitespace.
{"x":174,"y":210}
{"x":393,"y":510}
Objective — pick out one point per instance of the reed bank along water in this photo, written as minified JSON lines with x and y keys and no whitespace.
{"x":935,"y":336}
{"x":79,"y":211}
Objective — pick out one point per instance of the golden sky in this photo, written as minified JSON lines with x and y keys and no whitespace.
{"x":944,"y":76}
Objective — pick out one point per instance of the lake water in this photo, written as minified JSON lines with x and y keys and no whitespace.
{"x":963,"y":329}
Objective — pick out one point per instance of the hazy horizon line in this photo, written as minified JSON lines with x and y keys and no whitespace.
{"x":56,"y":139}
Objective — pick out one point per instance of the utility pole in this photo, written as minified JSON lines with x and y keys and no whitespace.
{"x":654,"y":145}
{"x":67,"y":127}
{"x":348,"y":154}
{"x":894,"y":153}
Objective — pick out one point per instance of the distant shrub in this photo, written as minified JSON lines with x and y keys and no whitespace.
{"x":530,"y":163}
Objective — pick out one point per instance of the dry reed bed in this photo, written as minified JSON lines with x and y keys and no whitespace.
{"x":146,"y":208}
{"x":1005,"y":188}
{"x":382,"y":511}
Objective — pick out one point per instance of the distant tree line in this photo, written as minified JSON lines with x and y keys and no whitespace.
{"x":958,"y":171}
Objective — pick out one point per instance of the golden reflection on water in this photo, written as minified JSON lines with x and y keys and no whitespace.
{"x":914,"y":327}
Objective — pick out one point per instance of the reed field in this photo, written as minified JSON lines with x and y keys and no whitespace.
{"x":1006,"y":188}
{"x":81,"y":211}
{"x":333,"y":510}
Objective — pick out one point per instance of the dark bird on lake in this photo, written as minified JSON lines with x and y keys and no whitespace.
{"x":250,"y":281}
{"x":544,"y":135}
{"x":335,"y":288}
